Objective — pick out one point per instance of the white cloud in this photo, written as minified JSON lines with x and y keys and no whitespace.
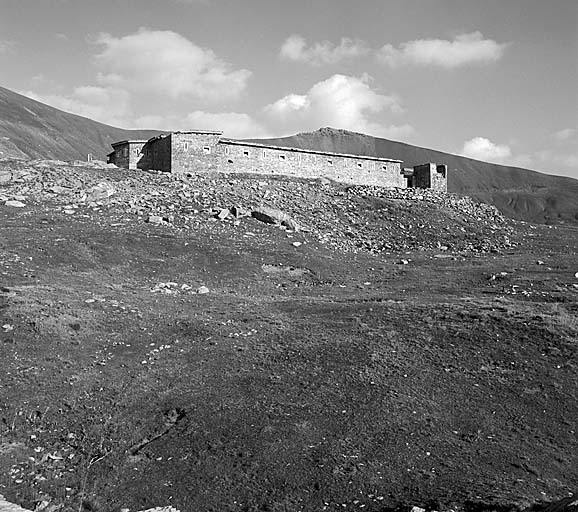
{"x":464,"y":49}
{"x":163,"y":63}
{"x":341,"y":102}
{"x":151,"y":79}
{"x":565,"y":134}
{"x":480,"y":148}
{"x":233,"y":124}
{"x":295,"y":48}
{"x":6,"y":46}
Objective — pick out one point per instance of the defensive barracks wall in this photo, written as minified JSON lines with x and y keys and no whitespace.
{"x":197,"y":151}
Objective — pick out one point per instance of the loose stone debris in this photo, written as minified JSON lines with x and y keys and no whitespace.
{"x":15,"y":204}
{"x":6,"y":506}
{"x":172,"y":288}
{"x":324,"y":211}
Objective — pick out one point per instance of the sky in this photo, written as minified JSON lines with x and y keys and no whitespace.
{"x":495,"y":80}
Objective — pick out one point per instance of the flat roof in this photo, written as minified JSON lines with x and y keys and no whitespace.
{"x":202,"y":132}
{"x":197,"y":132}
{"x":311,"y":151}
{"x":128,"y":142}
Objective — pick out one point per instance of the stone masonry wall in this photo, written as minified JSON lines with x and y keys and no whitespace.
{"x":439,"y":180}
{"x":135,"y":154}
{"x":158,"y":154}
{"x":430,"y":176}
{"x":120,"y":157}
{"x":127,"y":155}
{"x":194,"y":151}
{"x":248,"y":158}
{"x":202,"y":151}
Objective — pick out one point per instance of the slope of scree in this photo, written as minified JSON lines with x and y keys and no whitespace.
{"x":518,"y":193}
{"x":350,"y":218}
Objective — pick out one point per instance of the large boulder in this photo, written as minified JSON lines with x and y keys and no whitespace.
{"x":274,"y":216}
{"x":102,"y":190}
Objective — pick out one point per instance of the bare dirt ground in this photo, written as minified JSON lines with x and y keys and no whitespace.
{"x":351,"y":365}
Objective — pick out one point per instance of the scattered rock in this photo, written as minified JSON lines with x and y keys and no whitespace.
{"x":155,"y":219}
{"x":161,"y":509}
{"x":223,"y":214}
{"x":57,"y":189}
{"x":168,"y":288}
{"x":6,"y":506}
{"x":239,"y":212}
{"x":333,"y":213}
{"x":5,"y":177}
{"x":202,"y":289}
{"x":15,"y":204}
{"x":274,"y":216}
{"x":102,"y":190}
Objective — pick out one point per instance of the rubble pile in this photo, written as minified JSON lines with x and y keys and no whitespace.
{"x":462,"y":204}
{"x":346,"y":218}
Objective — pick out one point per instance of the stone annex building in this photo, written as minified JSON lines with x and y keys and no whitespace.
{"x":191,"y":151}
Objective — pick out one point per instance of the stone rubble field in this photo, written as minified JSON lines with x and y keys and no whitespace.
{"x":330,"y":213}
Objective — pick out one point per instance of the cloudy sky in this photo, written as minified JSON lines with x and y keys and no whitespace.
{"x":495,"y":80}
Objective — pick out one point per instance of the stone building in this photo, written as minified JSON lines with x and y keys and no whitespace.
{"x":197,"y":151}
{"x":427,"y":176}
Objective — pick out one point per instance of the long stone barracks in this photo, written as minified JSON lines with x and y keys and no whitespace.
{"x":197,"y":151}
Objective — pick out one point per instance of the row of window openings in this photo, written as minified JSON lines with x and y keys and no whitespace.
{"x":207,"y":150}
{"x":247,"y":154}
{"x":137,"y":152}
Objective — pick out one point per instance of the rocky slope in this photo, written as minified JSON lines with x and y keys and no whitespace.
{"x":518,"y":193}
{"x":30,"y":129}
{"x":350,"y":218}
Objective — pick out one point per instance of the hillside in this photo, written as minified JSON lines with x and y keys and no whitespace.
{"x":163,"y":344}
{"x":31,"y":129}
{"x":518,"y":193}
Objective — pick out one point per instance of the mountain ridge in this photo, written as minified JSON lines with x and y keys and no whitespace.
{"x":31,"y":129}
{"x":519,"y":193}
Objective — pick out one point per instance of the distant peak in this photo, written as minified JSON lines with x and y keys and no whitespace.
{"x":329,"y":131}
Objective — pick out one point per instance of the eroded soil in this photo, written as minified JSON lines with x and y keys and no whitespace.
{"x":308,"y":378}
